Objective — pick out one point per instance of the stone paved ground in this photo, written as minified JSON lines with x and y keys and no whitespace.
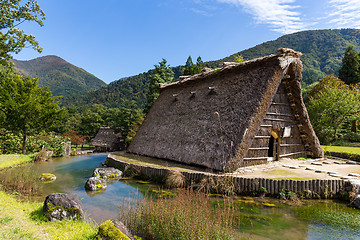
{"x":286,"y":168}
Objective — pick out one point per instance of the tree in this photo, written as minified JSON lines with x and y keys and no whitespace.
{"x":200,"y":64}
{"x":191,"y":68}
{"x":332,"y":103}
{"x":161,"y":74}
{"x":350,"y":69}
{"x":75,"y":138}
{"x":25,"y":107}
{"x":12,"y":39}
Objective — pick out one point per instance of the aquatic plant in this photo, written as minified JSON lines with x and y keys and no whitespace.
{"x":188,"y":215}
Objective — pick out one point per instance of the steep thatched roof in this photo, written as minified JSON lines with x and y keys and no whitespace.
{"x":209,"y":119}
{"x":105,"y":138}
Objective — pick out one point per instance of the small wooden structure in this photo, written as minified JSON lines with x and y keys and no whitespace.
{"x":239,"y":115}
{"x":106,"y":140}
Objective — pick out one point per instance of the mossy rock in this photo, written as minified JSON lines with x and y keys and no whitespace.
{"x":95,"y":184}
{"x":107,"y":173}
{"x":114,"y":230}
{"x":62,"y":206}
{"x":47,"y":177}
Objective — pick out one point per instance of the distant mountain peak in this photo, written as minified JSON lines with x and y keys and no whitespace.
{"x":62,"y":77}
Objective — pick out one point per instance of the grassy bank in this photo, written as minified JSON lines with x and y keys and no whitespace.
{"x":8,"y":160}
{"x":25,"y":220}
{"x":341,"y":149}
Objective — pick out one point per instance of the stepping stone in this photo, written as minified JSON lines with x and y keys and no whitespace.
{"x":285,"y":165}
{"x":247,"y":171}
{"x":310,"y":168}
{"x":294,"y":167}
{"x":354,"y":175}
{"x":302,"y":166}
{"x":339,"y":162}
{"x":316,"y":163}
{"x":320,"y":171}
{"x":333,"y":173}
{"x":348,"y":177}
{"x":326,"y":162}
{"x":351,"y":162}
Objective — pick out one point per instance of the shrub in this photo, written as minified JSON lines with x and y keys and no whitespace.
{"x":188,"y":215}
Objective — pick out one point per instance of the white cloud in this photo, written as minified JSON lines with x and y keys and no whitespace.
{"x":345,"y":13}
{"x":201,"y":12}
{"x":280,"y":14}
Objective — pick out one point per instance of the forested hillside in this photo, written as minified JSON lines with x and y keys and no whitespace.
{"x":62,"y":77}
{"x":322,"y":54}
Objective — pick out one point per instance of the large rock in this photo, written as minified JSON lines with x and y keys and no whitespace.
{"x":113,"y":229}
{"x":62,"y":206}
{"x":95,"y":184}
{"x":357,"y":201}
{"x":107,"y":173}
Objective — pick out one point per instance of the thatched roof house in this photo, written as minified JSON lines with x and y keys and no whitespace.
{"x":107,"y":140}
{"x":239,"y":115}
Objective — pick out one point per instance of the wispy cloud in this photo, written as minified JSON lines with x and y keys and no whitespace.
{"x":282,"y":15}
{"x":345,"y":13}
{"x":201,"y":12}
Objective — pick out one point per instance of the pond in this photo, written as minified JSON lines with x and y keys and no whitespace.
{"x":312,"y":220}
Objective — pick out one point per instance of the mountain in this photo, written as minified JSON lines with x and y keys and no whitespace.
{"x":63,"y":78}
{"x":322,"y":50}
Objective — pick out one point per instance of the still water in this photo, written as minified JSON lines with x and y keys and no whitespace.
{"x":312,"y":220}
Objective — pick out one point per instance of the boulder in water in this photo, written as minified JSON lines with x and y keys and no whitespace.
{"x":95,"y":184}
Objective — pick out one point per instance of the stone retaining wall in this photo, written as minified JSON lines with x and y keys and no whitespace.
{"x":242,"y":185}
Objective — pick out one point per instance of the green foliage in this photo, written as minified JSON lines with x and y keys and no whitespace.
{"x":350,"y":69}
{"x":160,"y":75}
{"x":28,"y":108}
{"x":191,"y":68}
{"x":238,"y":58}
{"x":331,"y":104}
{"x":14,"y":13}
{"x":12,"y":143}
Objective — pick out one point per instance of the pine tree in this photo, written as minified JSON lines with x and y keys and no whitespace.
{"x":161,"y":74}
{"x":189,"y":67}
{"x":200,"y":64}
{"x":350,"y":69}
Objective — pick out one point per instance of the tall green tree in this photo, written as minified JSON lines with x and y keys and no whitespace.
{"x":200,"y":64}
{"x":161,"y":74}
{"x":25,"y":107}
{"x":350,"y":69}
{"x":13,"y":14}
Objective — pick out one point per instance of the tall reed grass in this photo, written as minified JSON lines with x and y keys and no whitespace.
{"x":21,"y":180}
{"x":188,"y":215}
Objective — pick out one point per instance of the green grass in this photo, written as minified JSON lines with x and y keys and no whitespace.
{"x":8,"y":160}
{"x":341,"y":149}
{"x":25,"y":220}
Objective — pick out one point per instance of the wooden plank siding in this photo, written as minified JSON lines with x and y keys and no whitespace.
{"x":279,"y":115}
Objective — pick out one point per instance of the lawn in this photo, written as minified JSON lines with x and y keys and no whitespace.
{"x":353,"y":150}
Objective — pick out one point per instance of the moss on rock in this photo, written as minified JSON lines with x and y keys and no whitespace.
{"x":107,"y":230}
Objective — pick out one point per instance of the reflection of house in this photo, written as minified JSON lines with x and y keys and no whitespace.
{"x":107,"y":140}
{"x":242,"y":114}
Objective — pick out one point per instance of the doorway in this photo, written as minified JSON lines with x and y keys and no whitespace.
{"x":273,"y":150}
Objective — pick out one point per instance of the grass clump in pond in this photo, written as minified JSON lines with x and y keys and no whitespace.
{"x":25,"y":220}
{"x":188,"y":215}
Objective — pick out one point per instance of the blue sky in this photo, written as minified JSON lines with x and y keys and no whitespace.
{"x":117,"y":38}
